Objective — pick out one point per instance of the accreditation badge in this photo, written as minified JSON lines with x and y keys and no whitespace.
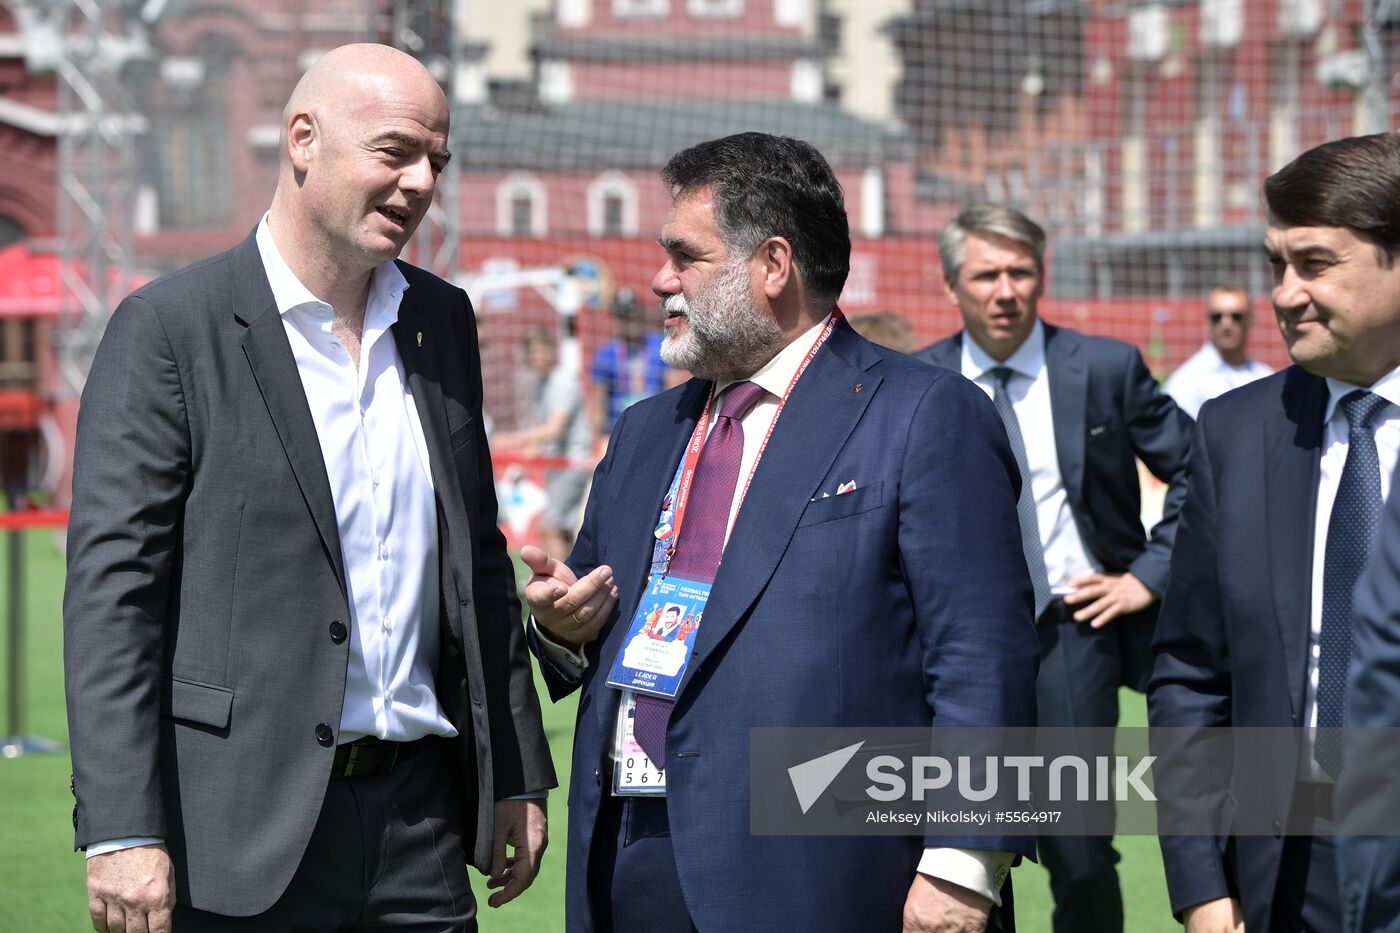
{"x":660,"y":640}
{"x":634,"y":775}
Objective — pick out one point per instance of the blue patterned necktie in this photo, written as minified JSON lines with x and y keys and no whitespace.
{"x":1025,"y":506}
{"x":1351,"y":535}
{"x":702,"y":536}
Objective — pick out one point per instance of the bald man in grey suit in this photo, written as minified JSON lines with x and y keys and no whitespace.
{"x":297,"y":688}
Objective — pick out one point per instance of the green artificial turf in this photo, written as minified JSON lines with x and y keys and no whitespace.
{"x":43,"y":877}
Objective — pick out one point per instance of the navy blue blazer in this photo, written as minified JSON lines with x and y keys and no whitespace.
{"x":1232,"y":638}
{"x":903,"y":603}
{"x":1369,"y":867}
{"x":1108,"y":411}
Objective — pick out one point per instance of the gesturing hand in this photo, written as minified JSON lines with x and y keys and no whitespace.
{"x":571,"y":610}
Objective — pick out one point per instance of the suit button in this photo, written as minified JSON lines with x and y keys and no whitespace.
{"x":1277,"y":827}
{"x":324,"y":735}
{"x":338,"y":631}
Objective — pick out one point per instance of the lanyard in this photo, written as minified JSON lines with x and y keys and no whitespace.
{"x":685,"y":474}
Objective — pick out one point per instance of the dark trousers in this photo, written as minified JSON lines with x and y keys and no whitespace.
{"x":386,"y":854}
{"x":634,"y":884}
{"x":1081,"y":671}
{"x":1307,"y":896}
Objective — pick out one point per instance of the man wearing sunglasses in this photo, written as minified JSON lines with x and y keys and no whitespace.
{"x":1220,"y":364}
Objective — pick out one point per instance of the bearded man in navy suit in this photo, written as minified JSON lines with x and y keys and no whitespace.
{"x":865,"y":570}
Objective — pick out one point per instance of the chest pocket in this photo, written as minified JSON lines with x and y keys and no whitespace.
{"x":830,"y":508}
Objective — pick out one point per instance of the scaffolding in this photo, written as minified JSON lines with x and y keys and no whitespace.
{"x":427,"y":30}
{"x":88,"y":45}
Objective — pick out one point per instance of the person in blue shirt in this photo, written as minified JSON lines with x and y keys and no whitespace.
{"x":627,"y":368}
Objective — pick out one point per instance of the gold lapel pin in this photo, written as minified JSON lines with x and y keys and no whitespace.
{"x":857,"y":387}
{"x":420,"y":338}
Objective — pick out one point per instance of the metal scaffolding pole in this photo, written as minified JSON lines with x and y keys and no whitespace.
{"x":428,"y":30}
{"x":94,"y":40}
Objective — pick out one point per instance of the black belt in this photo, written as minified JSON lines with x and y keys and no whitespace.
{"x":370,"y":757}
{"x":1056,"y":612}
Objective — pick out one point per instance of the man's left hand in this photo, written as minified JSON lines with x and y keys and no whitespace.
{"x":938,"y":906}
{"x":1108,"y":595}
{"x":523,"y":825}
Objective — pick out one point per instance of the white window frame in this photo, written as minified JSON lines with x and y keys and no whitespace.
{"x":627,"y":9}
{"x":617,"y":185}
{"x":715,"y":9}
{"x":516,"y":185}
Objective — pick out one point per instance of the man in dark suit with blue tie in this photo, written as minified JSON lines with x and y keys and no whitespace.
{"x":863,"y":505}
{"x":1079,"y":411}
{"x":1287,"y":480}
{"x":1369,"y":866}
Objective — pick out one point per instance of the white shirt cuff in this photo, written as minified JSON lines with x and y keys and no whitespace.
{"x":114,"y":845}
{"x":567,"y":661}
{"x":981,"y":871}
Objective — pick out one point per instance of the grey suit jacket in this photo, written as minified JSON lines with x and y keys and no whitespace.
{"x":205,"y":572}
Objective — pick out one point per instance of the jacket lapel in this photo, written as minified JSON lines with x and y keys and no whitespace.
{"x":1069,"y":389}
{"x":421,"y":373}
{"x":814,"y":426}
{"x":275,"y":370}
{"x":649,"y":464}
{"x":946,"y":353}
{"x":1293,"y":441}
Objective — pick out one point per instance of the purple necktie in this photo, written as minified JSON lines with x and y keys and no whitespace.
{"x":702,"y":536}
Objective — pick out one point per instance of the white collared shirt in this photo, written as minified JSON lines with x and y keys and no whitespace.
{"x":1029,"y":391}
{"x":376,"y":459}
{"x":1336,"y":442}
{"x":1205,"y":375}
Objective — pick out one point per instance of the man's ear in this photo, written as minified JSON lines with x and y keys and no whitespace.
{"x":303,"y":135}
{"x":950,"y":289}
{"x":775,"y":265}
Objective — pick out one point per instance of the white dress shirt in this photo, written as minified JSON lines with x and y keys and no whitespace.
{"x":1336,"y":442}
{"x":978,"y":870}
{"x":1029,"y":390}
{"x":1205,"y":374}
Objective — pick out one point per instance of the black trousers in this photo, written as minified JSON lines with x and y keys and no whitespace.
{"x":386,"y":854}
{"x":1081,"y":671}
{"x":1307,"y":896}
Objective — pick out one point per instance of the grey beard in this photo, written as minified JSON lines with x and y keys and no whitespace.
{"x":727,"y":337}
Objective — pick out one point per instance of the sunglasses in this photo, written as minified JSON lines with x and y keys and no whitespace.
{"x":1235,"y":316}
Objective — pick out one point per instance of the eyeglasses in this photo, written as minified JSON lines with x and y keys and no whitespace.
{"x":1236,"y":316}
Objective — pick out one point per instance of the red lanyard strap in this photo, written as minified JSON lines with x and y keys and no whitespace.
{"x":697,"y":438}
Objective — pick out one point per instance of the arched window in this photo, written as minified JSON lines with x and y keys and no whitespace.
{"x":188,"y":153}
{"x":522,"y":206}
{"x":612,"y":205}
{"x":10,"y":231}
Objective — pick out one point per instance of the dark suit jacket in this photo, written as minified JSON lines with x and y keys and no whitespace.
{"x":1108,"y":411}
{"x":205,"y":569}
{"x":903,"y":603}
{"x":1369,"y":867}
{"x":1232,"y":639}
